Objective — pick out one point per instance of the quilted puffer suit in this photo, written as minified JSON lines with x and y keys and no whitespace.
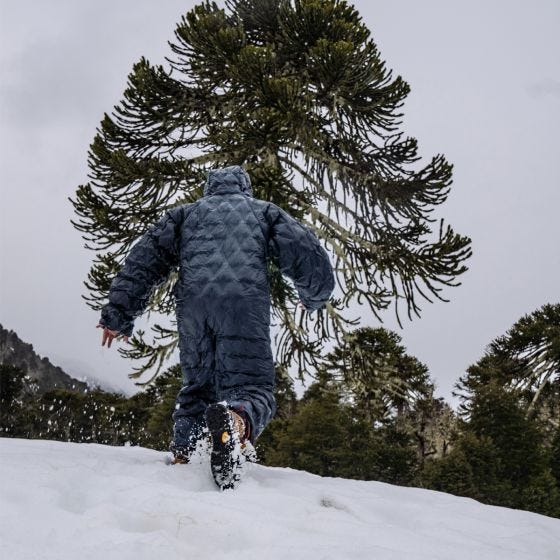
{"x":220,"y":245}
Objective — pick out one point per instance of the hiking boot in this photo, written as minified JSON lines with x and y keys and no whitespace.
{"x":179,"y":460}
{"x":239,"y":425}
{"x":187,"y":432}
{"x":228,"y":430}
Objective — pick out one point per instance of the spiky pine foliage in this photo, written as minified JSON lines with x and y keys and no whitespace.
{"x":525,"y":360}
{"x":376,"y":374}
{"x":296,"y":91}
{"x":534,"y":341}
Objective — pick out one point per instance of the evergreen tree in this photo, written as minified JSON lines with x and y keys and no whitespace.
{"x":162,"y":394}
{"x":498,"y":416}
{"x":535,"y":341}
{"x":92,"y":417}
{"x":541,"y":495}
{"x":502,"y":455}
{"x":510,"y":407}
{"x":525,"y":360}
{"x":329,"y":437}
{"x":452,"y":474}
{"x":433,"y":424}
{"x":555,"y":457}
{"x":297,"y":92}
{"x":323,"y":438}
{"x":12,"y":388}
{"x":284,"y":394}
{"x":376,"y":374}
{"x":472,"y":469}
{"x":394,"y":455}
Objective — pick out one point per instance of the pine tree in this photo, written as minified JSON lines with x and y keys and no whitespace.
{"x":162,"y":394}
{"x":433,"y":424}
{"x":322,"y":437}
{"x":555,"y":457}
{"x":328,"y":436}
{"x":502,"y":451}
{"x":394,"y":454}
{"x":541,"y":495}
{"x":377,"y":374}
{"x":526,"y":360}
{"x":12,"y":388}
{"x":535,"y":341}
{"x":297,"y":92}
{"x":452,"y":474}
{"x":284,"y":394}
{"x":93,"y":417}
{"x":498,"y":415}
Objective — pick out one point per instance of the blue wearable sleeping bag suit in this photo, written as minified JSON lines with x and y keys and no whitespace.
{"x":220,"y":245}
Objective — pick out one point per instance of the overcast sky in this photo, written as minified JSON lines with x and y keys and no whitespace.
{"x":485,"y":79}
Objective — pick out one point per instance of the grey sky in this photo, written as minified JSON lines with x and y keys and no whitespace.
{"x":485,"y":85}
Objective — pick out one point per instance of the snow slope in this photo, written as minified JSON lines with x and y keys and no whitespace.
{"x":75,"y":501}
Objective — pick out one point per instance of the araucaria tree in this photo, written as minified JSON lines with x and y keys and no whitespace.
{"x":376,"y":374}
{"x":296,"y":91}
{"x":526,"y":360}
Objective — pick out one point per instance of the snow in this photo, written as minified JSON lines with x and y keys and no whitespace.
{"x":65,"y":501}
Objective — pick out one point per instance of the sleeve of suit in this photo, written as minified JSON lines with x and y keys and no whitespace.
{"x":301,"y":257}
{"x":148,"y":265}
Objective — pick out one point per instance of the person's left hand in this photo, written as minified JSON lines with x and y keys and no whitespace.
{"x":108,"y":336}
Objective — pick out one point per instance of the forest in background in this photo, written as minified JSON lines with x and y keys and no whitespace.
{"x":369,"y":414}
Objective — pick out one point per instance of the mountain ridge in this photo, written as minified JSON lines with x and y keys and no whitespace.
{"x":44,"y":375}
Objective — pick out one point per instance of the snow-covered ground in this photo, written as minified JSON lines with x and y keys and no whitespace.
{"x":73,"y":501}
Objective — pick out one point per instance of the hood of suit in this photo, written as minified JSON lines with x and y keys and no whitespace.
{"x":228,"y":180}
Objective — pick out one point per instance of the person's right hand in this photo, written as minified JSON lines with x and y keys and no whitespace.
{"x":108,"y":336}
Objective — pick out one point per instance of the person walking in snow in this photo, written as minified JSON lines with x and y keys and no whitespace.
{"x":220,"y":244}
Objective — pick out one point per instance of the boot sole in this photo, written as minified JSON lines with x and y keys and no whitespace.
{"x":224,"y":457}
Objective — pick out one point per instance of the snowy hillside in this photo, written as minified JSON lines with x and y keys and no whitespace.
{"x":68,"y":501}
